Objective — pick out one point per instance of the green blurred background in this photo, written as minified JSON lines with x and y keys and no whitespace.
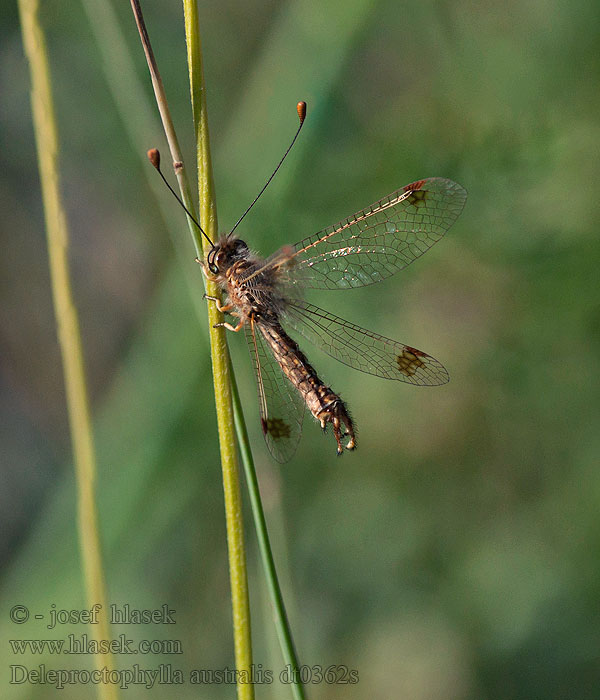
{"x":456,"y":554}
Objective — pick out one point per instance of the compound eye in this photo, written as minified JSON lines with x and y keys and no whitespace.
{"x":210,"y":259}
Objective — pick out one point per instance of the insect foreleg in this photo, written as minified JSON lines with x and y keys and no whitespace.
{"x":229,"y":327}
{"x":206,"y":272}
{"x":223,"y":308}
{"x":226,"y":308}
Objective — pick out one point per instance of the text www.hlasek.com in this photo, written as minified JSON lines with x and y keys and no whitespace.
{"x":83,"y":644}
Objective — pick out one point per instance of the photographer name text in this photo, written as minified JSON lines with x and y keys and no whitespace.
{"x":119,"y":615}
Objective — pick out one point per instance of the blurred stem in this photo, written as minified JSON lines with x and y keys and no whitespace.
{"x":218,"y":342}
{"x":281,"y":620}
{"x":44,"y":122}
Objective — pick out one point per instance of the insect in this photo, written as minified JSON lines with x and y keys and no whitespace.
{"x":264,"y":296}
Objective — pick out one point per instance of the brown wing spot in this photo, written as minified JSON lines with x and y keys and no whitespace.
{"x":414,"y":186}
{"x":410,"y":361}
{"x":417,"y":195}
{"x":277,"y":428}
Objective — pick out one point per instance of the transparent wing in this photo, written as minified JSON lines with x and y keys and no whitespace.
{"x":359,"y":348}
{"x":380,"y":240}
{"x":281,"y":406}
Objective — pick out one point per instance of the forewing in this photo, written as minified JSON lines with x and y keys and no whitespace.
{"x":281,"y":407}
{"x":363,"y":350}
{"x":380,"y":240}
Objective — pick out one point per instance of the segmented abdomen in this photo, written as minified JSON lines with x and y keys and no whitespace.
{"x":297,"y":369}
{"x":325,"y":405}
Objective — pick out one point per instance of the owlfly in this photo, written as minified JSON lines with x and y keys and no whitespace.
{"x":265,"y":298}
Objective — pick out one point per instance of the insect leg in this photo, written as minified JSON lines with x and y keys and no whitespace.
{"x":207,"y":274}
{"x":229,"y":327}
{"x":223,"y":308}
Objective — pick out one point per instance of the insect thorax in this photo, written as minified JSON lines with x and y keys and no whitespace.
{"x":259,"y":296}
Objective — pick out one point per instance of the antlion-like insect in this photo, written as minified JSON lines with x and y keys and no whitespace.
{"x":264,"y":295}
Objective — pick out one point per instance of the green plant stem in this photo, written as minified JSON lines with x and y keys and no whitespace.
{"x":281,"y":620}
{"x":221,"y":364}
{"x":44,"y":121}
{"x":218,"y":342}
{"x":224,"y":380}
{"x":169,"y":128}
{"x":208,"y":217}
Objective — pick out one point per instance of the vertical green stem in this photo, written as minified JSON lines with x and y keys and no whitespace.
{"x":221,"y":365}
{"x":219,"y":351}
{"x":224,"y":380}
{"x":280,"y":616}
{"x":44,"y":121}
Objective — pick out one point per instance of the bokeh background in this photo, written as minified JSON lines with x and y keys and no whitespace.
{"x":455,"y":555}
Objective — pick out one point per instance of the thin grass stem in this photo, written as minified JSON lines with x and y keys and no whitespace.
{"x":282,"y":625}
{"x":169,"y":128}
{"x":222,"y":372}
{"x":218,"y":342}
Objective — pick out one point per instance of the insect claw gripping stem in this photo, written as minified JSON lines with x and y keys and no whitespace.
{"x":223,"y":308}
{"x":205,"y":272}
{"x":229,"y":327}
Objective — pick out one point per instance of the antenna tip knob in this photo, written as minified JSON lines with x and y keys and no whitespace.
{"x":154,"y":157}
{"x":301,"y":109}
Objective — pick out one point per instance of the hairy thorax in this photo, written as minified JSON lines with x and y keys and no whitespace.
{"x":257,"y":298}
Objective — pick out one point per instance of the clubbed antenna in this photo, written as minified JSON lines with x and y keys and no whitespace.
{"x":301,"y":109}
{"x":154,"y":157}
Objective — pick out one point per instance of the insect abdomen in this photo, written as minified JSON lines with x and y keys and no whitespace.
{"x":325,"y":405}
